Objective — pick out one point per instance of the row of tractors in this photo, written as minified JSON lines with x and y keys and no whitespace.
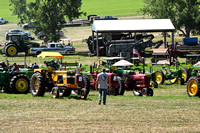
{"x":61,"y":82}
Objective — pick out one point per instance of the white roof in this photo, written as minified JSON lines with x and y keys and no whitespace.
{"x":141,"y":25}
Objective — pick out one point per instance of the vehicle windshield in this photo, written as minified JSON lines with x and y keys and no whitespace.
{"x":59,"y":45}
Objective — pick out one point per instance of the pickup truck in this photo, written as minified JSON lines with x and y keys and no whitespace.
{"x":3,"y":21}
{"x":107,"y":18}
{"x":54,"y":47}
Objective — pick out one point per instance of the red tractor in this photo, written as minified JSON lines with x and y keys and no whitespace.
{"x":116,"y":84}
{"x":139,"y":83}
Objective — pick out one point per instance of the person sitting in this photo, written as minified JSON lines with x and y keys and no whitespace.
{"x":35,"y":66}
{"x":15,"y":67}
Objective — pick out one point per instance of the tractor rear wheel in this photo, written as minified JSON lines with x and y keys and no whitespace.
{"x":20,"y":84}
{"x":83,"y":93}
{"x":55,"y":92}
{"x":193,"y":86}
{"x":185,"y":74}
{"x":86,"y":83}
{"x":37,"y":84}
{"x":154,"y":84}
{"x":113,"y":91}
{"x":159,"y":75}
{"x":11,"y":50}
{"x":121,"y":86}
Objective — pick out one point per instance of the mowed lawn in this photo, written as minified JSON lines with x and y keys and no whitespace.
{"x":169,"y":110}
{"x":98,"y":7}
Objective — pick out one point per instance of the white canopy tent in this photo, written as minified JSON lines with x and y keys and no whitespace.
{"x":132,"y":26}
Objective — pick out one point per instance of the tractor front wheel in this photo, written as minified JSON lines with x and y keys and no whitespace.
{"x":37,"y":84}
{"x":55,"y":92}
{"x":172,"y":81}
{"x":144,"y":92}
{"x":193,"y":85}
{"x":11,"y":50}
{"x":113,"y":91}
{"x":20,"y":84}
{"x":150,"y":92}
{"x":84,"y":93}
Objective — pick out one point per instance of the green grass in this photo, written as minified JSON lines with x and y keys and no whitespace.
{"x":98,"y":7}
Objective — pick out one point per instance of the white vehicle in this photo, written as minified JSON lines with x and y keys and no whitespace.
{"x":54,"y":47}
{"x":22,"y":32}
{"x":3,"y":21}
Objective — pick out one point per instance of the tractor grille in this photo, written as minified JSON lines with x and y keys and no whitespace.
{"x":70,"y":79}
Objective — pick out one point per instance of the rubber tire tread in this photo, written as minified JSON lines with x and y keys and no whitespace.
{"x":13,"y":82}
{"x":41,"y":89}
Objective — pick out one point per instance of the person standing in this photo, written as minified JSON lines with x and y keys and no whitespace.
{"x":102,"y":83}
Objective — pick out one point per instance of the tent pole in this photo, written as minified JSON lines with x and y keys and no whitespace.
{"x":93,"y":41}
{"x":97,"y":45}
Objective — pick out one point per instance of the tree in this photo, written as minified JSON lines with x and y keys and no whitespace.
{"x":49,"y":15}
{"x":184,"y":14}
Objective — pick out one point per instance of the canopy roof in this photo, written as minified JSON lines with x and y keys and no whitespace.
{"x":141,"y":25}
{"x":50,"y":54}
{"x":123,"y":63}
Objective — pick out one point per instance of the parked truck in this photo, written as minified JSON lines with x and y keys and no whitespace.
{"x":54,"y":47}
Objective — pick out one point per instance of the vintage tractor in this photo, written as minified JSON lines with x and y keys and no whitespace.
{"x":116,"y":84}
{"x":18,"y":43}
{"x":13,"y":81}
{"x":59,"y":82}
{"x":173,"y":75}
{"x":193,"y":86}
{"x":138,"y":83}
{"x":189,"y":72}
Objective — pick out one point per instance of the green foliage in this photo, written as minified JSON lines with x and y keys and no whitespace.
{"x":49,"y":15}
{"x":185,"y":14}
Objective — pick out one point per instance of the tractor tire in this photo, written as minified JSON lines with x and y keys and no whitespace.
{"x":180,"y":81}
{"x":159,"y":75}
{"x":83,"y":93}
{"x":121,"y":86}
{"x":150,"y":92}
{"x":86,"y":83}
{"x":185,"y":74}
{"x":20,"y":84}
{"x":144,"y":92}
{"x":67,"y":93}
{"x":37,"y":84}
{"x":55,"y":92}
{"x":154,"y":84}
{"x":11,"y":50}
{"x":174,"y":80}
{"x":113,"y":91}
{"x":193,"y":86}
{"x":136,"y":93}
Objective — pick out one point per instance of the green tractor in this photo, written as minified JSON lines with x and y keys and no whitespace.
{"x":189,"y":72}
{"x":173,"y":75}
{"x":13,"y":81}
{"x":18,"y":43}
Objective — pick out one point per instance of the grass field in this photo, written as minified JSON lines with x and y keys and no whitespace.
{"x":98,"y":7}
{"x":169,"y":110}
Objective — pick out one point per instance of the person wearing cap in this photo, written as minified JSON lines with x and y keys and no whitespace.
{"x":102,"y":83}
{"x":15,"y":67}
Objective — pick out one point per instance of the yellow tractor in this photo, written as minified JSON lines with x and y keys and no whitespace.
{"x":59,"y":82}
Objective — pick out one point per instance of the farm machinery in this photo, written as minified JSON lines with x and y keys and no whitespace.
{"x":116,"y":84}
{"x":138,"y":83}
{"x":18,"y":43}
{"x":173,"y":75}
{"x":59,"y":82}
{"x":13,"y":81}
{"x":114,"y":44}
